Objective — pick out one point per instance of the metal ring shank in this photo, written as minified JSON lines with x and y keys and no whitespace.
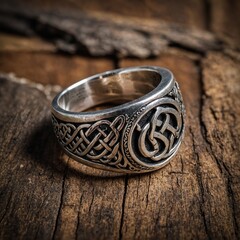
{"x":140,"y":134}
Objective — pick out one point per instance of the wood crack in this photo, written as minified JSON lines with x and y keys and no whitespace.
{"x":148,"y":188}
{"x":78,"y":217}
{"x":201,"y":186}
{"x":92,"y":200}
{"x":6,"y":208}
{"x":233,"y":204}
{"x":61,"y":201}
{"x":227,"y":175}
{"x":203,"y":128}
{"x":123,"y":208}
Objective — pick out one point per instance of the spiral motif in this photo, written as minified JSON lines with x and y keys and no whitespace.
{"x":154,"y":132}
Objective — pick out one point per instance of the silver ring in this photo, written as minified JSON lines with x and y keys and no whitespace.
{"x":141,"y":134}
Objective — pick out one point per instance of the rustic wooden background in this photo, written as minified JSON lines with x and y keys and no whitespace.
{"x":47,"y":45}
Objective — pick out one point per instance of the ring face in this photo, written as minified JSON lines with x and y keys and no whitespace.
{"x":154,"y":133}
{"x":139,"y":140}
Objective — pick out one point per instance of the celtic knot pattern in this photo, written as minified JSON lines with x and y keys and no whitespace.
{"x":157,"y":136}
{"x":97,"y":142}
{"x":154,"y":132}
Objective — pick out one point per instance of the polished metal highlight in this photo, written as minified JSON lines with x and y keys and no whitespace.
{"x":141,"y":134}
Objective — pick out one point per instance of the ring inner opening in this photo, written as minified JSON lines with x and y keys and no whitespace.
{"x":109,"y":90}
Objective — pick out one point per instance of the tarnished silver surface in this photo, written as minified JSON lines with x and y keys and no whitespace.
{"x":140,"y":134}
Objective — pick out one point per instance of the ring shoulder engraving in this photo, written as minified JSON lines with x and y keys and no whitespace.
{"x":96,"y":142}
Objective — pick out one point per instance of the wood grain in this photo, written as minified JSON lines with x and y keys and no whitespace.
{"x":106,"y":35}
{"x":218,"y":16}
{"x":49,"y":68}
{"x":22,"y":44}
{"x":195,"y":187}
{"x":46,"y":195}
{"x":224,"y":20}
{"x":188,"y":12}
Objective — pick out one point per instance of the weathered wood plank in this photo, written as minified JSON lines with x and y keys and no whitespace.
{"x":199,"y":186}
{"x":31,"y":174}
{"x":224,"y":20}
{"x":221,"y":129}
{"x":22,"y":44}
{"x":169,"y":198}
{"x":44,"y":194}
{"x":91,"y":206}
{"x":218,"y":16}
{"x":71,"y":201}
{"x":107,"y":35}
{"x":188,"y":12}
{"x":49,"y":68}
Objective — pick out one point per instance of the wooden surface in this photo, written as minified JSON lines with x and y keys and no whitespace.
{"x":46,"y":195}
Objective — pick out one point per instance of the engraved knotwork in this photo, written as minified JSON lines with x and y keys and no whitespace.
{"x":96,"y":142}
{"x":165,"y":119}
{"x":154,"y":132}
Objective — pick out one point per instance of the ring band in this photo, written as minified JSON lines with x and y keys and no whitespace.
{"x":140,"y":134}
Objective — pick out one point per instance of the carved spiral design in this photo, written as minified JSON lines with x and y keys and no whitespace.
{"x":153,"y":135}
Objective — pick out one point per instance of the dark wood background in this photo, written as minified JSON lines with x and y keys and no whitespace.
{"x":47,"y":45}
